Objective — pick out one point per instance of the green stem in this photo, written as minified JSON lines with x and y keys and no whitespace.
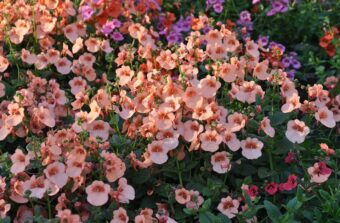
{"x":49,"y":207}
{"x":179,"y":172}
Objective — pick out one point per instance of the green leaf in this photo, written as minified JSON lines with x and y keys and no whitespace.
{"x":278,"y":118}
{"x":208,"y":217}
{"x":272,"y":211}
{"x":264,"y":172}
{"x":293,"y":205}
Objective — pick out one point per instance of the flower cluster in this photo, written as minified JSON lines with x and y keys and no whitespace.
{"x":155,"y":129}
{"x":330,"y":40}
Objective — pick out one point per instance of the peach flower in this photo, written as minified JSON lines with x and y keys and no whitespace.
{"x":292,"y":103}
{"x":70,"y":32}
{"x":16,"y":114}
{"x":27,"y":57}
{"x":4,"y":208}
{"x":2,"y":90}
{"x":37,"y":186}
{"x":297,"y":131}
{"x":99,"y":128}
{"x":210,"y":140}
{"x":230,"y":139}
{"x":208,"y":86}
{"x":24,"y":214}
{"x":251,"y":148}
{"x":220,"y":162}
{"x":120,"y":216}
{"x":77,"y":84}
{"x":227,"y":72}
{"x":98,"y":193}
{"x":158,"y":153}
{"x":93,"y":44}
{"x":55,"y":172}
{"x":5,"y":128}
{"x":228,"y":207}
{"x":192,"y":97}
{"x":45,"y":116}
{"x":20,"y":161}
{"x":182,"y":196}
{"x":113,"y":166}
{"x":125,"y":192}
{"x":125,"y":75}
{"x":236,"y":122}
{"x":266,"y":127}
{"x":260,"y":70}
{"x":190,"y":130}
{"x":326,"y":149}
{"x":63,"y":65}
{"x":325,"y":116}
{"x":67,"y":216}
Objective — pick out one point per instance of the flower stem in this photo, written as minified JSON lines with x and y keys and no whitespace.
{"x":179,"y":172}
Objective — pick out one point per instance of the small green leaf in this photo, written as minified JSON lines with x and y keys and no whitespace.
{"x":272,"y":211}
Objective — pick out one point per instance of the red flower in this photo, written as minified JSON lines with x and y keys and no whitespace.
{"x":271,"y":188}
{"x":290,"y":184}
{"x":290,"y":158}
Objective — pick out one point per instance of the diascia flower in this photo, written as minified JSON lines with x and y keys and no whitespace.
{"x":210,"y":140}
{"x":228,"y":207}
{"x":325,"y":116}
{"x":230,"y":139}
{"x":266,"y":127}
{"x":55,"y":172}
{"x":182,"y":196}
{"x":271,"y":188}
{"x":98,"y":193}
{"x":158,"y":153}
{"x":251,"y":148}
{"x":125,"y":192}
{"x":120,"y":216}
{"x":37,"y":186}
{"x":20,"y":161}
{"x":220,"y":162}
{"x":319,"y":172}
{"x":4,"y":208}
{"x":297,"y":131}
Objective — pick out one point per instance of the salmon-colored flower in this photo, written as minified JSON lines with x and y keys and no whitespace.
{"x":41,"y":61}
{"x":236,"y":122}
{"x":5,"y":128}
{"x":297,"y":131}
{"x":93,"y":44}
{"x":55,"y":172}
{"x":190,"y":130}
{"x":158,"y":153}
{"x":182,"y":195}
{"x":37,"y":186}
{"x":192,"y":97}
{"x":45,"y":116}
{"x":4,"y":208}
{"x":208,"y":86}
{"x":220,"y":162}
{"x":210,"y":140}
{"x":292,"y":103}
{"x":326,"y":149}
{"x":77,"y":84}
{"x":114,"y":167}
{"x":27,"y":57}
{"x":53,"y":56}
{"x":98,"y":193}
{"x":16,"y":36}
{"x":228,"y":207}
{"x":319,"y":172}
{"x":16,"y":114}
{"x":71,"y":32}
{"x":125,"y":192}
{"x":23,"y":214}
{"x":251,"y":148}
{"x":325,"y":116}
{"x":63,"y":65}
{"x":20,"y":161}
{"x":167,"y":60}
{"x":266,"y":127}
{"x":125,"y":75}
{"x":78,"y":45}
{"x":120,"y":216}
{"x":260,"y":70}
{"x":3,"y":63}
{"x":248,"y":91}
{"x":67,"y":216}
{"x":99,"y":128}
{"x":230,"y":139}
{"x":74,"y":167}
{"x":227,"y":72}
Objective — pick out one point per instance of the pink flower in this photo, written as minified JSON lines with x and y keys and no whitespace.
{"x":290,"y":184}
{"x":77,"y":84}
{"x":55,"y":172}
{"x":99,"y":128}
{"x":251,"y":148}
{"x":113,"y":166}
{"x":266,"y":127}
{"x":16,"y":114}
{"x":251,"y":190}
{"x":192,"y":97}
{"x":125,"y":192}
{"x":37,"y":186}
{"x":292,"y":103}
{"x":158,"y":153}
{"x":27,"y":57}
{"x":290,"y":158}
{"x":125,"y":75}
{"x":163,"y":119}
{"x":2,"y":90}
{"x":120,"y":216}
{"x":228,"y":207}
{"x":230,"y":139}
{"x":227,"y":72}
{"x":182,"y":196}
{"x":325,"y":116}
{"x":319,"y":172}
{"x":93,"y":45}
{"x":236,"y":122}
{"x":190,"y":130}
{"x":210,"y":140}
{"x":260,"y":70}
{"x":5,"y":128}
{"x":195,"y":200}
{"x":326,"y":149}
{"x":208,"y":86}
{"x":296,"y":131}
{"x":220,"y":162}
{"x":4,"y":208}
{"x":67,"y":216}
{"x":20,"y":161}
{"x":63,"y":65}
{"x":45,"y":116}
{"x":98,"y":193}
{"x":271,"y":188}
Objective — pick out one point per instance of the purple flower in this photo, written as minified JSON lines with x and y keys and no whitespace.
{"x":286,"y":61}
{"x":117,"y":36}
{"x":245,"y":16}
{"x":107,"y":28}
{"x":263,"y":40}
{"x":256,"y":1}
{"x":296,"y":64}
{"x":218,"y":7}
{"x":291,"y":74}
{"x":86,"y":12}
